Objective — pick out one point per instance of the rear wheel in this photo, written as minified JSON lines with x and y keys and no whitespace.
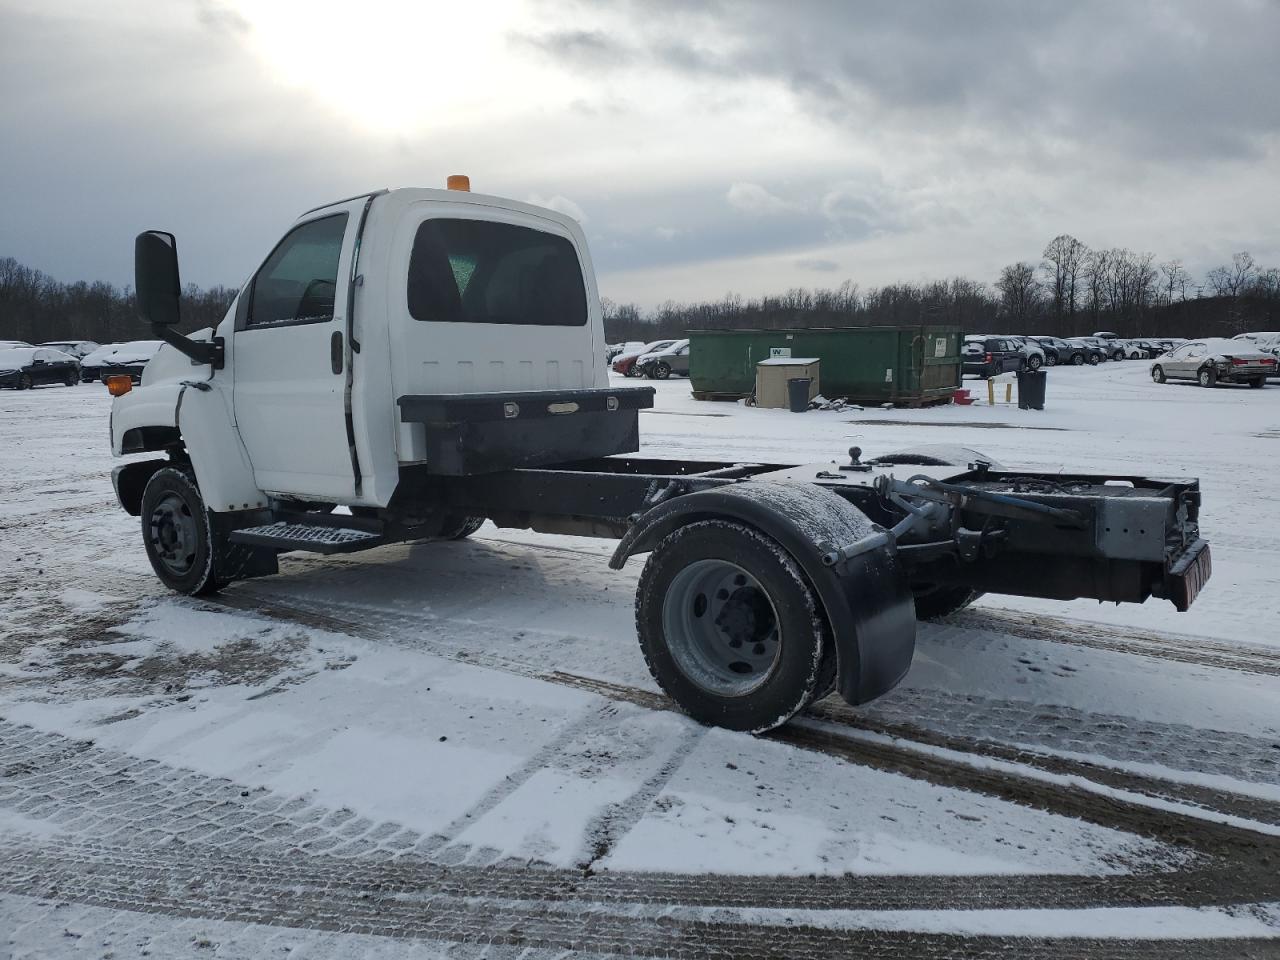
{"x":1157,"y":374}
{"x":1034,"y":361}
{"x":24,"y":382}
{"x":459,"y":528}
{"x":934,"y":602}
{"x":731,"y":628}
{"x":70,"y":379}
{"x":1207,"y":376}
{"x":1077,"y":359}
{"x":1094,"y":359}
{"x":1050,"y":359}
{"x":1257,"y":383}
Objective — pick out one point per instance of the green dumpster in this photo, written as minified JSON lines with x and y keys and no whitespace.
{"x":903,"y":365}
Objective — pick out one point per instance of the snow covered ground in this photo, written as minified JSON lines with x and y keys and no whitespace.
{"x":459,"y":744}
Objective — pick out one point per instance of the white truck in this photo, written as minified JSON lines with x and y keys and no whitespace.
{"x":430,"y":359}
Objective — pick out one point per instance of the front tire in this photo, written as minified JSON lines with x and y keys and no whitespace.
{"x":24,"y":382}
{"x":660,"y":371}
{"x":1157,"y":374}
{"x":1094,"y":359}
{"x":1034,"y":361}
{"x":1051,"y":359}
{"x":177,"y":533}
{"x":1208,"y":377}
{"x":1077,"y":359}
{"x":730,"y":627}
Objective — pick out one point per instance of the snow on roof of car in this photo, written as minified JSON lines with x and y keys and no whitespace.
{"x":16,"y":357}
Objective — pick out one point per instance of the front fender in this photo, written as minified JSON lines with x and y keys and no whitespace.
{"x":867,"y":600}
{"x":141,"y":412}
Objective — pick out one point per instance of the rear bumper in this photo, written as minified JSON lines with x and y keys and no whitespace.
{"x":1186,"y":576}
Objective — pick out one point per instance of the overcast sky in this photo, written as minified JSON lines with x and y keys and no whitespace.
{"x":739,"y":146}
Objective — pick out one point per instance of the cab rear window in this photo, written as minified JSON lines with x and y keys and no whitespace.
{"x":479,"y":271}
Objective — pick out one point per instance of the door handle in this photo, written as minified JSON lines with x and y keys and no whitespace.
{"x":335,"y":352}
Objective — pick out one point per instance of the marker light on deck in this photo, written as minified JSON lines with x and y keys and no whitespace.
{"x":118,"y":386}
{"x":458,"y":181}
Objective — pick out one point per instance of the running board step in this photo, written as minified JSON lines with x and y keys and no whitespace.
{"x":316,"y":538}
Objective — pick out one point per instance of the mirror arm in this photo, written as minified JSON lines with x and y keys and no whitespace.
{"x":213,"y":353}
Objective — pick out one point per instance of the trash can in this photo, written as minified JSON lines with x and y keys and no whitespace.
{"x":798,"y":393}
{"x":1031,"y":386}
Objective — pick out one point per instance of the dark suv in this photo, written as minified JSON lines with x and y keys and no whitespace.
{"x":991,"y":356}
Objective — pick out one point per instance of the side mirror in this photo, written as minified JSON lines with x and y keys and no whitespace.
{"x":155,"y":271}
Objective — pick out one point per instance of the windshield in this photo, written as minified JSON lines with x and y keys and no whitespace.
{"x":12,"y":359}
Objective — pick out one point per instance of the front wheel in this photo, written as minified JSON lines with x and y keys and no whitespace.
{"x":1208,"y":377}
{"x":1077,"y":359}
{"x":177,"y":533}
{"x":730,"y":627}
{"x":1094,"y":359}
{"x":660,"y":371}
{"x":1157,"y":374}
{"x":24,"y":382}
{"x":70,"y":379}
{"x":1034,"y":361}
{"x":1051,"y":359}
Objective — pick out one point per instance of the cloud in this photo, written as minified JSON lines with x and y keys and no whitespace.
{"x":817,"y":264}
{"x":754,"y":199}
{"x":560,"y":205}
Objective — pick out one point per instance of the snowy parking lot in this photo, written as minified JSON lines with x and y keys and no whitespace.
{"x":456,"y":748}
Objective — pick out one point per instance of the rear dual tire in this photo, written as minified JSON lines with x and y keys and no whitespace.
{"x":731,"y":628}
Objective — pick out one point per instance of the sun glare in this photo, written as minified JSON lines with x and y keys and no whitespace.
{"x":393,"y":67}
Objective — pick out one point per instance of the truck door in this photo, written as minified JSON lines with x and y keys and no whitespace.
{"x":290,"y":355}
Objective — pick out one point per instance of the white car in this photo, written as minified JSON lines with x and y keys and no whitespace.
{"x":625,"y":362}
{"x":1215,"y":360}
{"x":119,"y":358}
{"x":76,"y":348}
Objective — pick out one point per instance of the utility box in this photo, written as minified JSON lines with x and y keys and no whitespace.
{"x":772,"y":376}
{"x":903,"y":365}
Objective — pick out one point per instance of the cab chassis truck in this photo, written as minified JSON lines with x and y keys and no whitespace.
{"x":407,"y":364}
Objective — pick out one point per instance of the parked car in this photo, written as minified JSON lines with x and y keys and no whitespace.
{"x":1133,"y":350}
{"x":1105,"y":335}
{"x":128,"y":358}
{"x":74,"y":348}
{"x":1032,"y":352}
{"x":1267,"y":342}
{"x":25,"y":367}
{"x":1215,"y":361}
{"x":1093,"y":353}
{"x":612,"y":350}
{"x":991,"y":356}
{"x":1057,"y":350}
{"x":661,"y":364}
{"x":10,"y":344}
{"x":625,"y":362}
{"x":1110,"y":346}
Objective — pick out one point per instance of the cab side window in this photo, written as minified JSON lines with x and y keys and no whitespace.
{"x":299,"y":281}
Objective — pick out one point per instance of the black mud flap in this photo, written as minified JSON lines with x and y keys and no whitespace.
{"x":867,"y":600}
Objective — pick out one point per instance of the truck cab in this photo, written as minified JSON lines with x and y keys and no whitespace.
{"x":397,"y":293}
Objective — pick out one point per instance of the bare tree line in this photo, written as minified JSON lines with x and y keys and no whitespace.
{"x":1072,"y":290}
{"x":35,"y":307}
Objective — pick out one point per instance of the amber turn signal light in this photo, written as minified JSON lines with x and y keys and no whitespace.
{"x":458,"y":181}
{"x":118,"y":386}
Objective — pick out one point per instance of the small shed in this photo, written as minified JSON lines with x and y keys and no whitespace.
{"x":772,"y":376}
